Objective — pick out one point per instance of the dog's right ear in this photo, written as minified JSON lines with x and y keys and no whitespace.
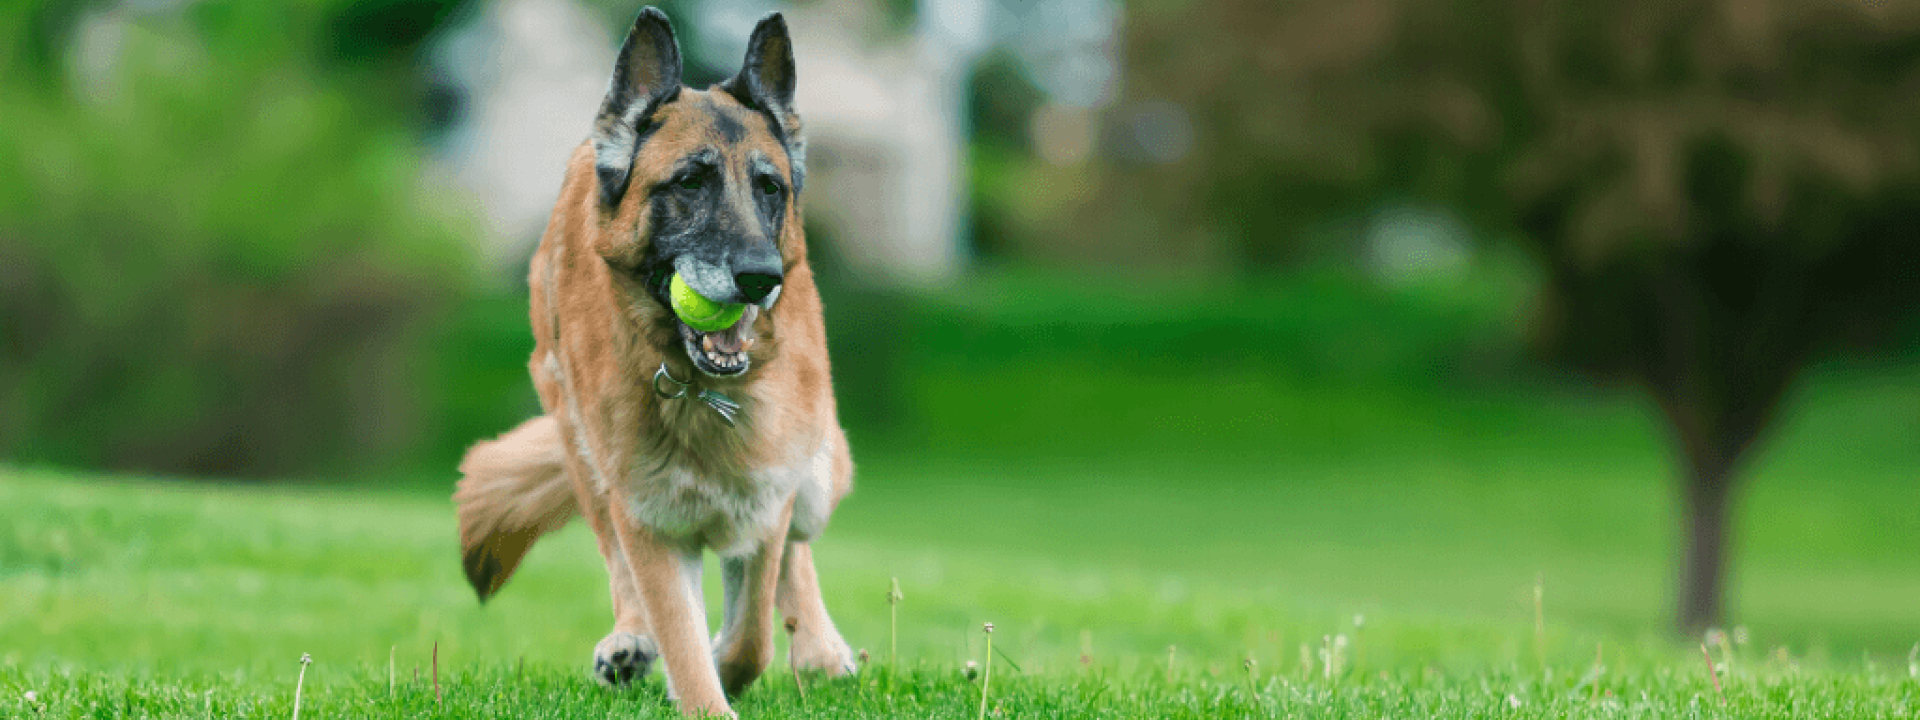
{"x":646,"y":76}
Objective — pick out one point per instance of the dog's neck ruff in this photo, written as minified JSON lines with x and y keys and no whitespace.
{"x":728,"y":409}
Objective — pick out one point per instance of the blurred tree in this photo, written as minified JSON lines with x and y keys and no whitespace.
{"x":1719,"y":191}
{"x":1228,"y":148}
{"x":215,"y":257}
{"x":35,"y":54}
{"x":373,"y":31}
{"x":1000,"y":102}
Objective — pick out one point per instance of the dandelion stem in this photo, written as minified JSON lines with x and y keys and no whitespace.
{"x":792,"y":626}
{"x":1359,"y":621}
{"x":1540,"y":619}
{"x":1326,"y":657}
{"x":893,"y":632}
{"x":1712,"y":673}
{"x":1598,"y":668}
{"x":301,"y":684}
{"x":986,"y":673}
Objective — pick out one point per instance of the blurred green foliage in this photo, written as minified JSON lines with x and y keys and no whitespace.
{"x":1001,"y":100}
{"x":217,"y":254}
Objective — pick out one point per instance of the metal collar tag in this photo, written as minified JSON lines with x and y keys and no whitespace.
{"x":728,"y":409}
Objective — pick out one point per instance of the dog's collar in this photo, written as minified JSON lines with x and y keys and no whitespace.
{"x":728,"y":409}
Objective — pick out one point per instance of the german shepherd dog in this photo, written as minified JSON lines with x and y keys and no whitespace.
{"x":668,"y":440}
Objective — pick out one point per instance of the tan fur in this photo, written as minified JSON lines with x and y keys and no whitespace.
{"x":612,"y":449}
{"x":513,"y":492}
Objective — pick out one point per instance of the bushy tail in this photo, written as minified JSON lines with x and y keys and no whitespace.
{"x":514,"y":490}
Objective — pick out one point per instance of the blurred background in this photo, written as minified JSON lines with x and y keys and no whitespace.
{"x":1382,"y":300}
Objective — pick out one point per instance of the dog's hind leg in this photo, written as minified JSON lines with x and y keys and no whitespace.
{"x":817,"y":645}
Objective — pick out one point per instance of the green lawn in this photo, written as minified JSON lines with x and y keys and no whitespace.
{"x":1414,"y":523}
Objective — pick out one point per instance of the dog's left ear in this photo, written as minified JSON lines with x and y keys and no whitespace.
{"x":766,"y":81}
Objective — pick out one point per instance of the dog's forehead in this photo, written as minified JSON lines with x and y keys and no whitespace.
{"x":700,"y":120}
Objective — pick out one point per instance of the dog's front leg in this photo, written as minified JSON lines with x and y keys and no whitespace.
{"x":626,"y":653}
{"x":744,"y":648}
{"x":667,"y":577}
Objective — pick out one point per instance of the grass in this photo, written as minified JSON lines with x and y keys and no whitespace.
{"x":1354,"y":511}
{"x":1375,"y":553}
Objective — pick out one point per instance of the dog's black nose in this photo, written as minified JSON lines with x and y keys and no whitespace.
{"x":756,"y":285}
{"x":757,"y":271}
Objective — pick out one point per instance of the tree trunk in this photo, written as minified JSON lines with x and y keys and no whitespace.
{"x":1719,"y":376}
{"x":1703,"y":565}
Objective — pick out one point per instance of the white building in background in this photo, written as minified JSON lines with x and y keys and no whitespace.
{"x":885,"y":114}
{"x":529,"y":75}
{"x":889,"y":124}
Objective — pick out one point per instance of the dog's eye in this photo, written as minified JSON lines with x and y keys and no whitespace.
{"x":768,"y":186}
{"x":690,"y":182}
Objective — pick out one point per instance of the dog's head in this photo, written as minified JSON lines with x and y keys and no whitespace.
{"x":701,"y":182}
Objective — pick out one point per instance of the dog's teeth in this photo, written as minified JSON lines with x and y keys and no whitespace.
{"x":706,"y":343}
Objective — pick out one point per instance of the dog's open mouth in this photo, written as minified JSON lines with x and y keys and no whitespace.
{"x":722,"y":353}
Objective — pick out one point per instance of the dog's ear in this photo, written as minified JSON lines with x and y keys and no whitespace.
{"x":646,"y":76}
{"x":766,"y":82}
{"x":766,"y":78}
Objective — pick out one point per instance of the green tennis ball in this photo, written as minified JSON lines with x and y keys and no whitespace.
{"x":698,"y":312}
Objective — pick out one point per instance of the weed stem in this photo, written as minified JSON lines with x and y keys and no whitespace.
{"x":1715,"y":674}
{"x":301,"y":684}
{"x":986,"y":677}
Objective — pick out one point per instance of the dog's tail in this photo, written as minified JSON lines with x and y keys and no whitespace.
{"x":514,"y":490}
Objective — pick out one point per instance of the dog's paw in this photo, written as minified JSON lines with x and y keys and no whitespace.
{"x":740,"y":662}
{"x":622,"y":657}
{"x":822,"y":654}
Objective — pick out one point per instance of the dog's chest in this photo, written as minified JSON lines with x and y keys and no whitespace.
{"x":726,"y":514}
